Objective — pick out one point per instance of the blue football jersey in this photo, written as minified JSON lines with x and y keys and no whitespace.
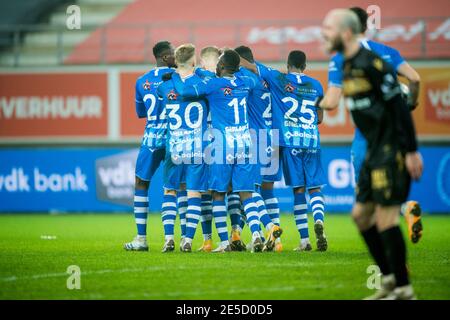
{"x":294,"y":112}
{"x":205,"y":74}
{"x":148,"y":105}
{"x":259,"y":102}
{"x":186,"y":120}
{"x":228,"y":99}
{"x":335,"y":68}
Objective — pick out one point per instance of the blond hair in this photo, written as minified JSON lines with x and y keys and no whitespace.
{"x":184,"y":54}
{"x":211,"y":51}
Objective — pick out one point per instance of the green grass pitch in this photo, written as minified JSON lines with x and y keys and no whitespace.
{"x":34,"y":267}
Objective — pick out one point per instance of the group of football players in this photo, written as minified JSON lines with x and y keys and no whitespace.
{"x":227,"y":130}
{"x":223,"y":146}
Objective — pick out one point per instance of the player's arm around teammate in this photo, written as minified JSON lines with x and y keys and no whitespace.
{"x":187,"y":124}
{"x":152,"y":151}
{"x":227,"y":96}
{"x":299,"y":140}
{"x":261,"y":120}
{"x":209,"y":56}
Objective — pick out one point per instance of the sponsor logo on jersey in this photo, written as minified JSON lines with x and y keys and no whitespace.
{"x":289,"y":88}
{"x":172,"y":95}
{"x":146,"y":85}
{"x":227,"y":91}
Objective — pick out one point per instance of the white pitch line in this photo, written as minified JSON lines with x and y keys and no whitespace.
{"x":243,"y":290}
{"x":207,"y":293}
{"x":83,"y":273}
{"x":154,"y":268}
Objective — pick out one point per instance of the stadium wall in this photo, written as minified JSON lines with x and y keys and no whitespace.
{"x":418,"y":31}
{"x":68,"y":139}
{"x":96,"y":105}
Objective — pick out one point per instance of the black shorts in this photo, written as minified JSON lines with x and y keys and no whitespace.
{"x":384,"y":179}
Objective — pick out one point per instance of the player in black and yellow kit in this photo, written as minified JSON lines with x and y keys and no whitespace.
{"x":373,"y":96}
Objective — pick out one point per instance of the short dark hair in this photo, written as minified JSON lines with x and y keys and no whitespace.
{"x":297,"y":59}
{"x":246,"y":53}
{"x":160,"y":48}
{"x":362,"y":17}
{"x":231,"y":60}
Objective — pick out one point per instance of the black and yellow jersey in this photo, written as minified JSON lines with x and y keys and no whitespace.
{"x":373,"y":96}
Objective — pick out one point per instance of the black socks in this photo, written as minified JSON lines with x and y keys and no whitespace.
{"x":395,"y":250}
{"x":376,"y":249}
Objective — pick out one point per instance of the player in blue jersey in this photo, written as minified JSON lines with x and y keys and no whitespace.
{"x":231,"y":156}
{"x":260,"y":121}
{"x":411,"y":209}
{"x":185,"y":147}
{"x":296,"y":118}
{"x":209,"y":56}
{"x":153,"y":144}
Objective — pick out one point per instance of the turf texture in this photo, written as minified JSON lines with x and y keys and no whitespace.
{"x":37,"y":249}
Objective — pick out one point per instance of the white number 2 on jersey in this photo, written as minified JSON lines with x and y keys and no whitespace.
{"x":267,"y":114}
{"x":152,"y":98}
{"x":151,"y":109}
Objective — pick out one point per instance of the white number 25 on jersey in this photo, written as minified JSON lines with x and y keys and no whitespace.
{"x":304,"y":109}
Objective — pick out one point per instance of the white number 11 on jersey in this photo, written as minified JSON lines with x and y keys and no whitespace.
{"x":235,"y":104}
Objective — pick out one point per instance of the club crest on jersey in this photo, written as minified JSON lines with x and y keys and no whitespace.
{"x":227,"y":91}
{"x":289,"y":88}
{"x":146,"y":85}
{"x":172,"y":95}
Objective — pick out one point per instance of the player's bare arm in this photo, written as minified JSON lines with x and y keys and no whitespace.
{"x":248,"y":65}
{"x":331,"y":99}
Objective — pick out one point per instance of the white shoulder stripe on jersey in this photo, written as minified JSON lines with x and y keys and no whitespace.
{"x":196,"y":91}
{"x":365,"y":44}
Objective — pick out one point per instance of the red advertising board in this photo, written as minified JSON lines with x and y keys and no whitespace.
{"x":130,"y":124}
{"x":53,"y":104}
{"x":75,"y":105}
